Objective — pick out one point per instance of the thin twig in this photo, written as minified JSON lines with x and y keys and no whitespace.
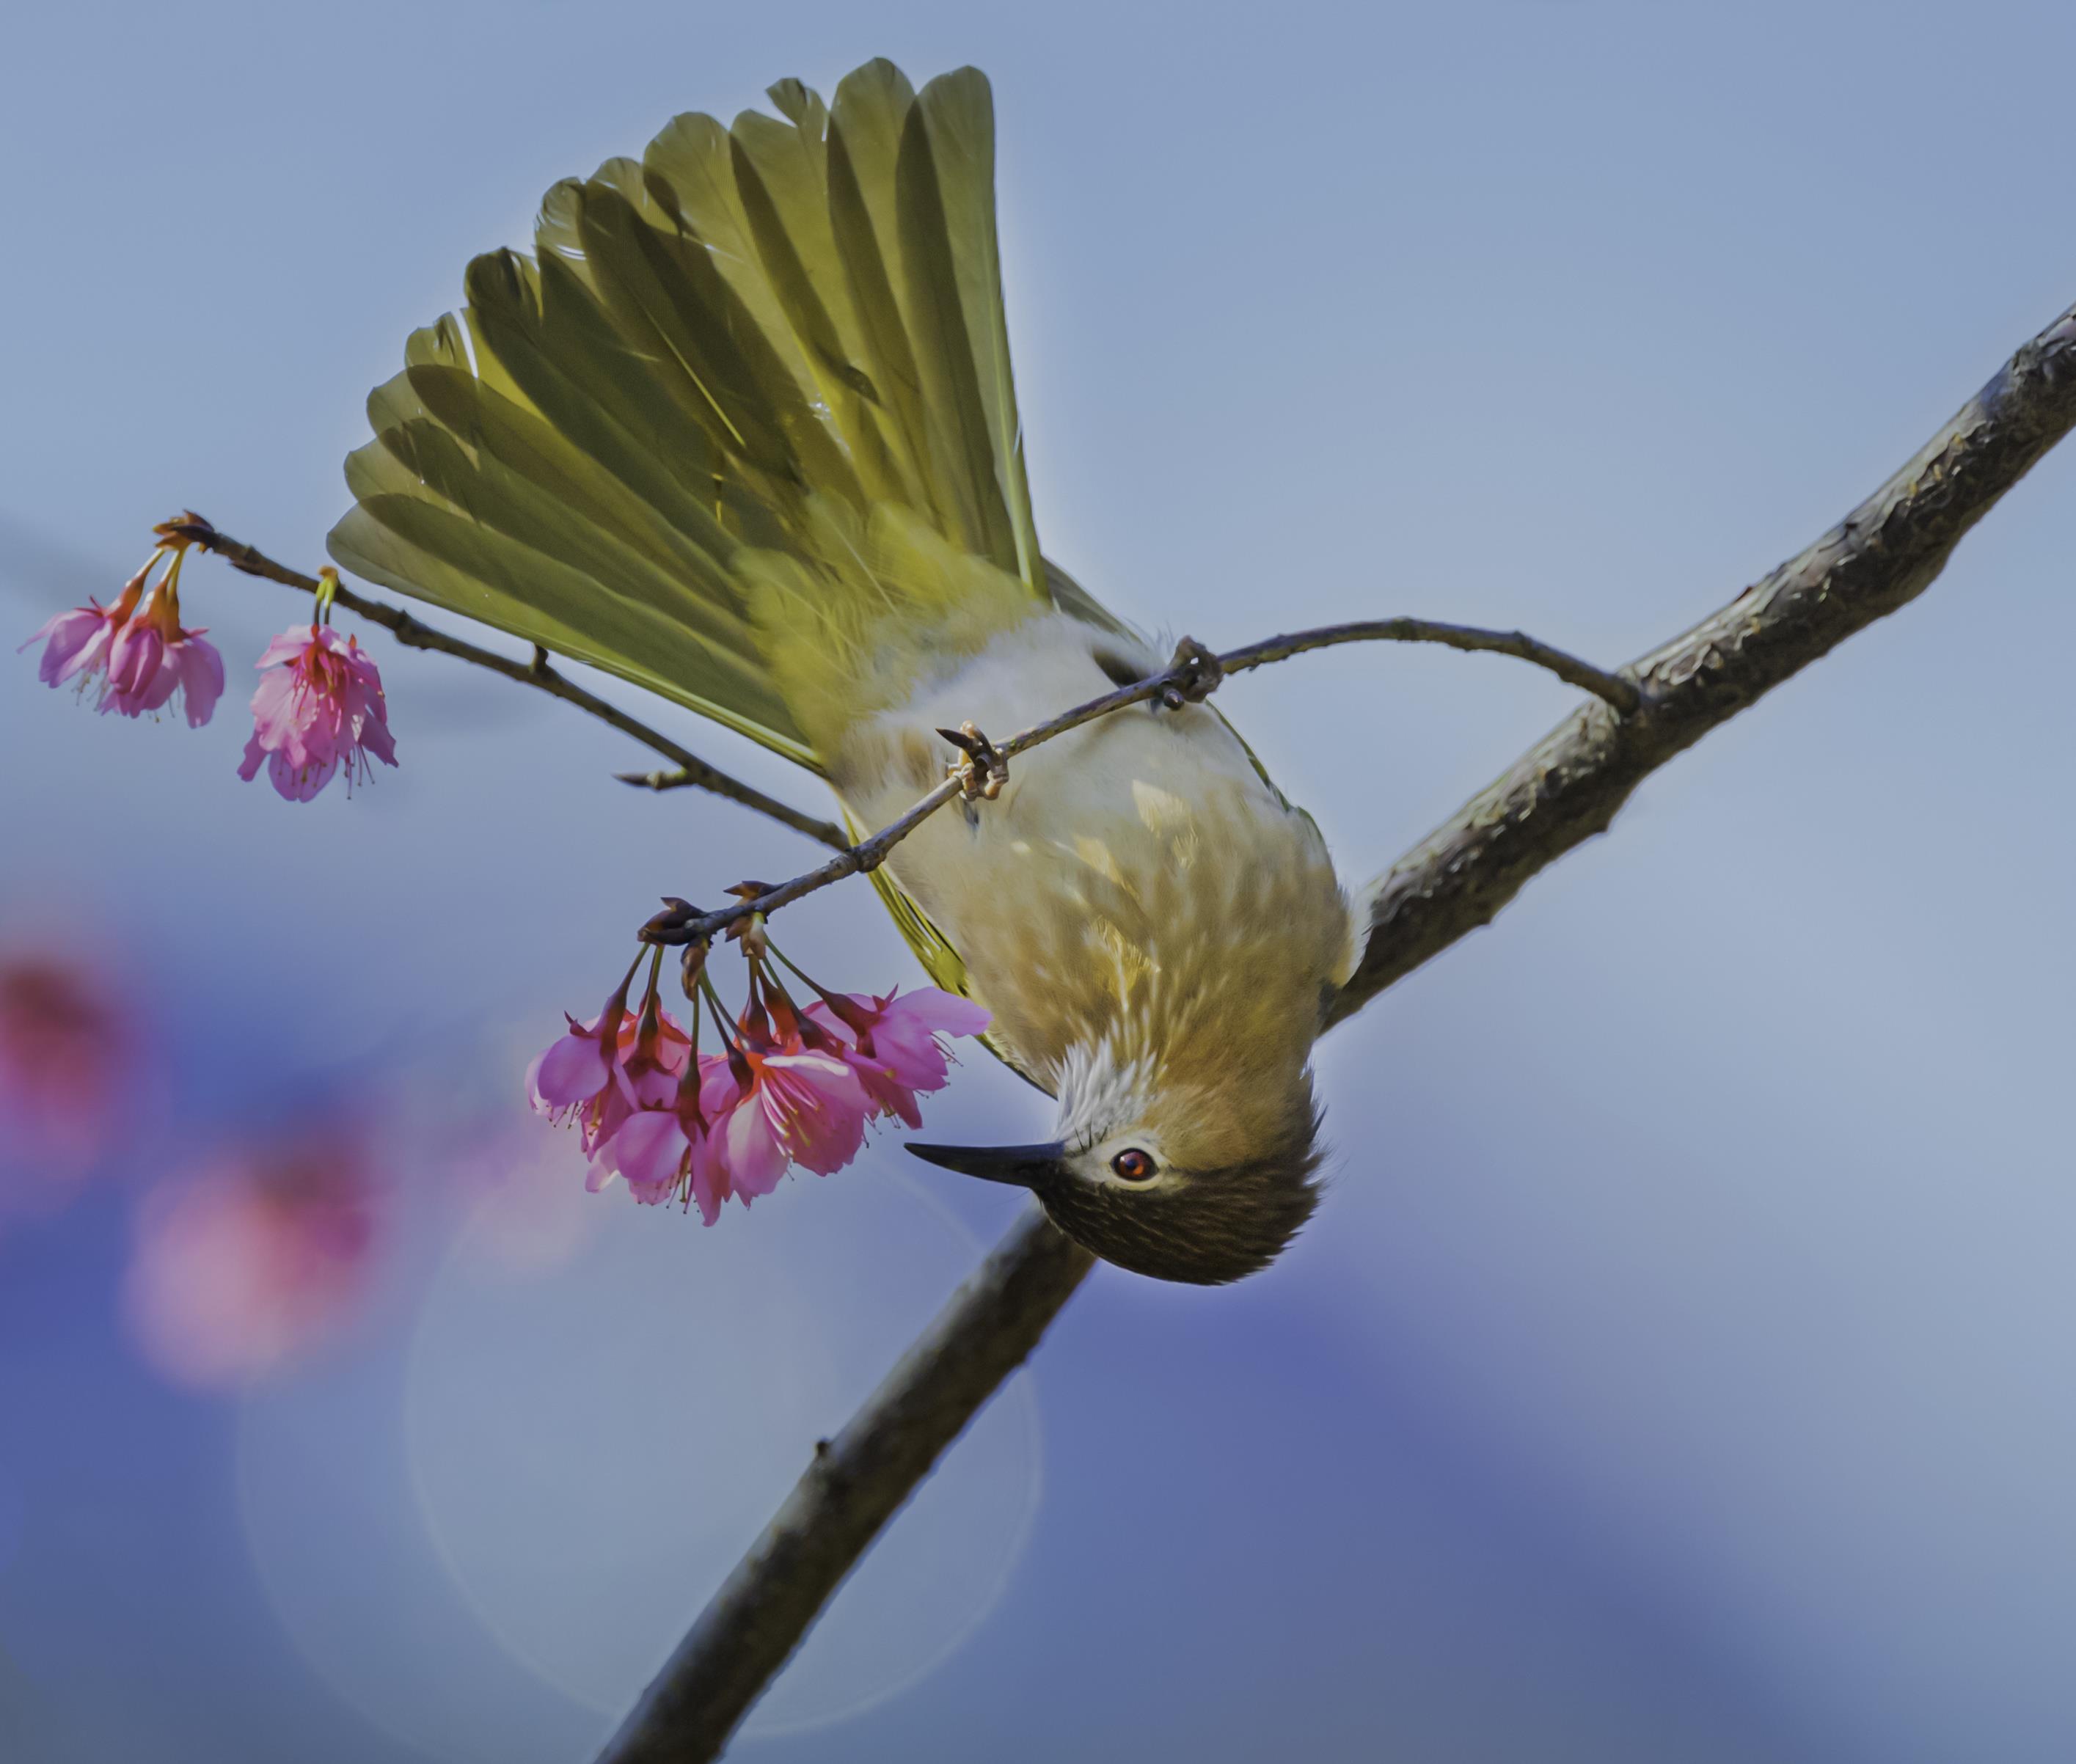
{"x":414,"y":634}
{"x":1880,"y":558}
{"x":1193,"y":674}
{"x":1616,"y":689}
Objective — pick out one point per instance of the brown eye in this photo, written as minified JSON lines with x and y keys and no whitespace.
{"x":1133,"y":1164}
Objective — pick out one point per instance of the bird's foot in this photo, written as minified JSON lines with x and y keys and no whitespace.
{"x":984,"y":771}
{"x":1198,"y":674}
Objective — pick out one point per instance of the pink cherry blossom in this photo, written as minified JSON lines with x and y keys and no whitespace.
{"x":577,"y":1065}
{"x":250,"y":1264}
{"x":894,"y":1043}
{"x":320,"y":707}
{"x":137,"y":648}
{"x":654,"y":1048}
{"x":670,"y":1151}
{"x":151,"y":656}
{"x":651,"y":1051}
{"x":580,"y":1075}
{"x":77,"y":642}
{"x":792,"y":1087}
{"x":804,"y":1108}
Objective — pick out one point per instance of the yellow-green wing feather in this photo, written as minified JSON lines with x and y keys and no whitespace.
{"x":741,"y":430}
{"x":735,"y":378}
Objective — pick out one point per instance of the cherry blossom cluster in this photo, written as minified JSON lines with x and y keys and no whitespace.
{"x":789,"y":1086}
{"x":319,"y":711}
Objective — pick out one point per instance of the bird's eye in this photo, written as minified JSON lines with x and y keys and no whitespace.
{"x":1133,"y":1165}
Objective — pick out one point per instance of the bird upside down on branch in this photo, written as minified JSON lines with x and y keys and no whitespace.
{"x":743,"y":430}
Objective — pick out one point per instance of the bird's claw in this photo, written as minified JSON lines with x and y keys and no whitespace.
{"x":1196,"y":672}
{"x":984,"y":771}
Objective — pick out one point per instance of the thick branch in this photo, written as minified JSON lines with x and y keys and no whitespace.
{"x":1568,"y":788}
{"x":857,"y":1481}
{"x":414,"y":634}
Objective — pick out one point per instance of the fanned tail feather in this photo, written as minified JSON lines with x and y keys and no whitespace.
{"x":742,"y":431}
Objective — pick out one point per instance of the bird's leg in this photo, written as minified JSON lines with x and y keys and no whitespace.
{"x":984,"y":771}
{"x":1198,"y":674}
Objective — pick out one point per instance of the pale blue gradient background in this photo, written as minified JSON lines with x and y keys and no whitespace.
{"x":1681,"y":1367}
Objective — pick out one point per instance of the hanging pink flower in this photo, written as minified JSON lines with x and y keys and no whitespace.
{"x":895,"y":1043}
{"x":579,"y":1064}
{"x":321,"y":709}
{"x":255,"y":1262}
{"x":800,"y":1108}
{"x":792,"y":1087}
{"x":141,"y":654}
{"x":151,"y":657}
{"x":668,"y":1152}
{"x":76,"y":642}
{"x":652,"y":1049}
{"x":580,"y":1076}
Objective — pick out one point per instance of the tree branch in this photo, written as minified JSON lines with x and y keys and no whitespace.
{"x":414,"y":634}
{"x":857,"y":1481}
{"x":1567,"y":788}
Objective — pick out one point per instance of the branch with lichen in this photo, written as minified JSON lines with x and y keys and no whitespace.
{"x":1561,"y":792}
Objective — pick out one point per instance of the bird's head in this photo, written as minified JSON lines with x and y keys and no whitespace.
{"x":1204,"y":1183}
{"x":1170,"y":998}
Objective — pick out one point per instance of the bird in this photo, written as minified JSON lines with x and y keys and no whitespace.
{"x":741,"y":430}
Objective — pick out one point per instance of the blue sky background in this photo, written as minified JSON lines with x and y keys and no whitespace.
{"x":1680,"y":1367}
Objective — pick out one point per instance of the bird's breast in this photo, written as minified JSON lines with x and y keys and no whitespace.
{"x":1129,"y":868}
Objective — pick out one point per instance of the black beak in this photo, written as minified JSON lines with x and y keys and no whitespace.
{"x":1022,"y":1166}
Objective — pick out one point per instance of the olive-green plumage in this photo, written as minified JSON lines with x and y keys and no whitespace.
{"x":742,"y":431}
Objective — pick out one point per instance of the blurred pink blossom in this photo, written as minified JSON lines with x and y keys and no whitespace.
{"x":319,"y":707}
{"x":243,"y":1268}
{"x":66,"y":1066}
